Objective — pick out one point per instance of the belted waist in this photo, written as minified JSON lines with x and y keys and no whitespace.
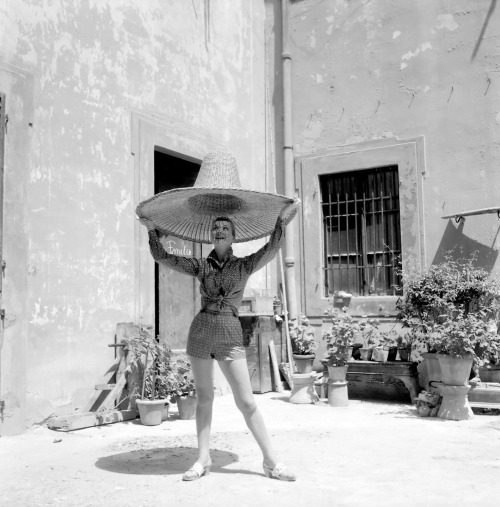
{"x":218,"y":305}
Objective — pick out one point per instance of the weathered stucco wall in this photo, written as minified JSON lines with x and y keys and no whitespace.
{"x":371,"y":70}
{"x":73,"y":73}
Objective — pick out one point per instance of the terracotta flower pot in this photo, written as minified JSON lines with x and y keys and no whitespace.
{"x":404,"y":355}
{"x":303,"y":390}
{"x":392,"y":353}
{"x":187,"y":407}
{"x":455,"y":370}
{"x":151,"y":411}
{"x":365,"y":354}
{"x":380,"y":354}
{"x":490,"y":374}
{"x":337,"y":373}
{"x":304,"y":362}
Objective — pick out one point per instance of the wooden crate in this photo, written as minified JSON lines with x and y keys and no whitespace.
{"x":258,"y":332}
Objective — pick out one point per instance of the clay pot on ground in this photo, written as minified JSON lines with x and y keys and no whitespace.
{"x":187,"y":406}
{"x":337,"y":394}
{"x":455,"y":387}
{"x":165,"y":412}
{"x":304,"y":362}
{"x":303,"y":390}
{"x":151,"y":411}
{"x":365,"y":354}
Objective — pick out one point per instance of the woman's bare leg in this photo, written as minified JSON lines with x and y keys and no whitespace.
{"x":236,"y":373}
{"x":203,"y":377}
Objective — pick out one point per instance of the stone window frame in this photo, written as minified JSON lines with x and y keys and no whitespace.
{"x":409,"y":156}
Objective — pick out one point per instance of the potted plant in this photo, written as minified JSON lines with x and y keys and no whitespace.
{"x":277,"y":306}
{"x":339,"y":338}
{"x":454,"y":307}
{"x":182,"y":387}
{"x":151,"y":359}
{"x":368,"y":328}
{"x":303,"y":343}
{"x":462,"y":341}
{"x":388,"y":344}
{"x":405,"y":345}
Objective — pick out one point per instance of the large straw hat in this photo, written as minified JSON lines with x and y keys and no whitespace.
{"x":188,"y":213}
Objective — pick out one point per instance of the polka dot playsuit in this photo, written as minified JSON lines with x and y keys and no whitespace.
{"x":217,"y":333}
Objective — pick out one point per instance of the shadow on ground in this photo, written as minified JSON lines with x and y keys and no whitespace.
{"x":165,"y":461}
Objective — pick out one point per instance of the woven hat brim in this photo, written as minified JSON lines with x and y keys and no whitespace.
{"x":188,"y":213}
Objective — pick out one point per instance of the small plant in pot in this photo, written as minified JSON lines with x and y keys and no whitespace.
{"x":388,"y":342}
{"x":151,"y":360}
{"x":405,"y":344}
{"x":368,"y":328}
{"x":303,"y":343}
{"x":339,"y":338}
{"x":182,"y":387}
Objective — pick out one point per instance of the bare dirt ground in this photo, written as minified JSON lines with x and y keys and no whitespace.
{"x":366,"y":454}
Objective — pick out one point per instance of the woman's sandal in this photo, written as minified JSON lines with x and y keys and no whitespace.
{"x":279,"y":472}
{"x":196,"y":471}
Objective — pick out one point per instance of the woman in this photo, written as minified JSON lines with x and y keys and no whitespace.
{"x":216,"y":334}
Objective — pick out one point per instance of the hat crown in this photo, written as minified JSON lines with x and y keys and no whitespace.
{"x":218,"y":170}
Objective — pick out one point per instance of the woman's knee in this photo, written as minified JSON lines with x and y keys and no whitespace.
{"x":205,"y":396}
{"x":246,"y":405}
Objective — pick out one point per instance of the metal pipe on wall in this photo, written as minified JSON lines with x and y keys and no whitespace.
{"x":286,"y":58}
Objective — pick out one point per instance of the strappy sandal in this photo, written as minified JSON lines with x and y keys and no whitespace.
{"x":196,"y":471}
{"x":280,"y":472}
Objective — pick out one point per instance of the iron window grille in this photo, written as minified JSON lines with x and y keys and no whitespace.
{"x":361,"y":232}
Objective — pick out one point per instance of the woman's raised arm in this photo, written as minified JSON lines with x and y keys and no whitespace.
{"x":186,"y":265}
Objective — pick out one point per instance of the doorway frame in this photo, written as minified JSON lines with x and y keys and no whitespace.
{"x":149,"y":133}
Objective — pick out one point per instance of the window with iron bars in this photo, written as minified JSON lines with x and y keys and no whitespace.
{"x":361,"y":232}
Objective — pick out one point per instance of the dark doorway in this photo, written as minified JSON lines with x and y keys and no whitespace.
{"x":176,"y":295}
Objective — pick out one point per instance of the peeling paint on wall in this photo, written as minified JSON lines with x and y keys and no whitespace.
{"x":446,"y":21}
{"x":92,"y":64}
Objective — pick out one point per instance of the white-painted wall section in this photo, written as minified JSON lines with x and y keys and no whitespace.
{"x":74,"y":72}
{"x":383,"y":69}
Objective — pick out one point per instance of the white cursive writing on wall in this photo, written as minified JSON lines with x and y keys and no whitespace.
{"x":171,"y":249}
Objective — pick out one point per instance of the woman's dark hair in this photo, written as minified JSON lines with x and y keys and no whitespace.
{"x":229,"y":221}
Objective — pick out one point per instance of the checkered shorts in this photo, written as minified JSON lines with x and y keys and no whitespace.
{"x":215,"y":336}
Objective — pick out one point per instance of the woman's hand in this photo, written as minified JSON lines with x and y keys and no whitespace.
{"x":288,"y":209}
{"x":148,"y":223}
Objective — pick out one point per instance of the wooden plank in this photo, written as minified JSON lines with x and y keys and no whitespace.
{"x":104,"y":387}
{"x":90,"y":419}
{"x":390,"y":367}
{"x":105,"y":380}
{"x":285,"y":370}
{"x":484,"y":404}
{"x":115,"y":393}
{"x":275,"y":368}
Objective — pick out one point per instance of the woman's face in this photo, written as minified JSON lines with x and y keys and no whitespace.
{"x":222,"y":234}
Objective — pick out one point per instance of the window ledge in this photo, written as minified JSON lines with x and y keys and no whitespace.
{"x":371,"y":306}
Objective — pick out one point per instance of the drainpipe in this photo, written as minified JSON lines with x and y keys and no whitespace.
{"x":286,"y":57}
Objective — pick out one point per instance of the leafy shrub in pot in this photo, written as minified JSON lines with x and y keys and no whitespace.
{"x":339,"y":337}
{"x":453,"y":308}
{"x":302,"y":336}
